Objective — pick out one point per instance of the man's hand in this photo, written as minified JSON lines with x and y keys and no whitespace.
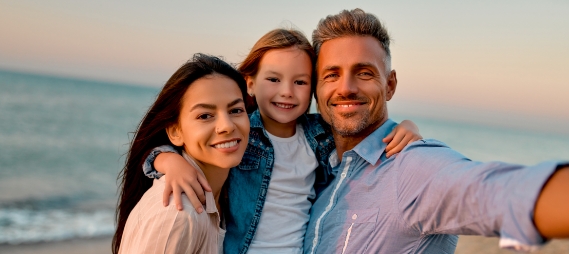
{"x":551,"y":216}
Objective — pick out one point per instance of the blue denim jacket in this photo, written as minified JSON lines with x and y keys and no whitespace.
{"x":247,"y":184}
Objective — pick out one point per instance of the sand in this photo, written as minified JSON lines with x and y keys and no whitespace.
{"x":75,"y":246}
{"x":466,"y":245}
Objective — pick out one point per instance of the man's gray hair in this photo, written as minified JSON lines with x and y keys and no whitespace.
{"x":352,"y":23}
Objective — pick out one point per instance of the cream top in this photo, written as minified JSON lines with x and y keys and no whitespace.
{"x":153,"y":228}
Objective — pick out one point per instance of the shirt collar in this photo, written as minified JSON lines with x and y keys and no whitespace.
{"x":210,"y":206}
{"x":255,"y":119}
{"x":371,"y":148}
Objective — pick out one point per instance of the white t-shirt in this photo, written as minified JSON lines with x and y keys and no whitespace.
{"x":285,"y":214}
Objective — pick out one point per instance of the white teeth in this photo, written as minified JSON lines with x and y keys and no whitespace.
{"x":280,"y":105}
{"x":345,"y":106}
{"x":226,"y":144}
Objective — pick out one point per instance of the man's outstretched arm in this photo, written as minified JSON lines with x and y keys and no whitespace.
{"x":551,"y":215}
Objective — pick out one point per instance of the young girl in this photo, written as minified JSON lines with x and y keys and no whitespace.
{"x":201,"y":111}
{"x":286,"y":162}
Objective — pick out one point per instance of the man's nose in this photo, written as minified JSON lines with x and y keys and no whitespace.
{"x":346,"y":86}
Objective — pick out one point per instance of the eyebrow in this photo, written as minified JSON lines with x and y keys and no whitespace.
{"x":331,"y":68}
{"x":364,"y":65}
{"x":213,"y":107}
{"x":235,"y":102}
{"x":279,"y":74}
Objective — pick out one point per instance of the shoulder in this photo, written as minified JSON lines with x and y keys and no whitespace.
{"x":427,"y":156}
{"x":151,"y":205}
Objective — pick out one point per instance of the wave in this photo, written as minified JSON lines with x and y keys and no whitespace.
{"x":26,"y":226}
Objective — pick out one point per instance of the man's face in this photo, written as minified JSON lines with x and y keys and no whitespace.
{"x":353,"y":86}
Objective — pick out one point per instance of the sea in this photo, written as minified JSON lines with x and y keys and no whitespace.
{"x":63,"y":143}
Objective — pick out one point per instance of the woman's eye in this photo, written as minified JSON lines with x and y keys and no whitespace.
{"x":273,"y":79}
{"x":204,"y":116}
{"x":237,"y":111}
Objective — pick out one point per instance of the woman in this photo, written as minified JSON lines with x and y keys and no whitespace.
{"x":201,"y":112}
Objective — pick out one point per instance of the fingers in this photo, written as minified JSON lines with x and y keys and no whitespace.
{"x":196,"y":189}
{"x":166,"y":195}
{"x":396,"y":149}
{"x":389,"y":137}
{"x":196,"y":203}
{"x":395,"y":142}
{"x":203,"y":182}
{"x":177,"y":193}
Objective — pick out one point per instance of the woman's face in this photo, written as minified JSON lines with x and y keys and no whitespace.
{"x":213,"y":126}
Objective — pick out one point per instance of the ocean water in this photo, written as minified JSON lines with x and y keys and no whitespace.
{"x":62,"y":144}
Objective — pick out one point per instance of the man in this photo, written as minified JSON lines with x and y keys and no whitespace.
{"x":419,"y":200}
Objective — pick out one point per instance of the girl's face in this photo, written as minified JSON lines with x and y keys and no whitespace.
{"x":282,"y":86}
{"x":213,"y":126}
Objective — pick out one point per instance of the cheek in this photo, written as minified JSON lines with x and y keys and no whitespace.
{"x":197,"y":135}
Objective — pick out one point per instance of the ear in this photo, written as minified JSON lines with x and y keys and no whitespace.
{"x":250,"y":84}
{"x":175,"y":135}
{"x":391,"y":84}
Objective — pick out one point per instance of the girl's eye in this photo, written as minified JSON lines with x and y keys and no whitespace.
{"x":300,"y":82}
{"x":204,"y":116}
{"x":273,"y":79}
{"x":236,"y":111}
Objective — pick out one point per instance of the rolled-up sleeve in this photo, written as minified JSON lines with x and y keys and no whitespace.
{"x":440,"y":191}
{"x":148,"y":165}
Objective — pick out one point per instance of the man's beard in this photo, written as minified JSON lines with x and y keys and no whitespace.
{"x":350,"y":124}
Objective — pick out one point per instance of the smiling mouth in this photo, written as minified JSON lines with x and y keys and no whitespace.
{"x":347,"y":105}
{"x":226,"y":144}
{"x":285,"y":106}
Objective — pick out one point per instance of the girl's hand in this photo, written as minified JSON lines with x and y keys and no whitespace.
{"x":182,"y":178}
{"x":402,"y":135}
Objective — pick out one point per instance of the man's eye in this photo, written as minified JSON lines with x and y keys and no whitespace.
{"x":331,"y":76}
{"x":273,"y":79}
{"x":204,"y":116}
{"x":366,"y":74}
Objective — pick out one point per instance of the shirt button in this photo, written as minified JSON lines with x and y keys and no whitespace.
{"x":314,"y":242}
{"x":343,"y":175}
{"x":355,"y":216}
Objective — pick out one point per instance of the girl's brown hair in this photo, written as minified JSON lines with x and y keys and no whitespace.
{"x":151,"y":131}
{"x":276,"y":39}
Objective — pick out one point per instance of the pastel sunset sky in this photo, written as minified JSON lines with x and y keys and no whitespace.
{"x":500,"y":62}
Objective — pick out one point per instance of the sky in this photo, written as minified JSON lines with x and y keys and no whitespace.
{"x":497,"y":62}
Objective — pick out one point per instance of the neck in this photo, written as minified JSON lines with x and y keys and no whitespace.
{"x":281,"y":130}
{"x":216,"y":177}
{"x":348,"y":142}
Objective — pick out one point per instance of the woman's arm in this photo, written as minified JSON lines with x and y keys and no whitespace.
{"x":403,"y":134}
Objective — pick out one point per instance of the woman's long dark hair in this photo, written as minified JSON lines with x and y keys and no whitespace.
{"x":151,"y":131}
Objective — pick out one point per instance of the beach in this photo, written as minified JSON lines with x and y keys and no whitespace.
{"x":60,"y":196}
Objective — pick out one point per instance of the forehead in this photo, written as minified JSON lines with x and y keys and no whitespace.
{"x":211,"y":89}
{"x":348,"y":51}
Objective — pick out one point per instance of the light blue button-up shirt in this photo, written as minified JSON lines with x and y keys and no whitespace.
{"x":419,"y":200}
